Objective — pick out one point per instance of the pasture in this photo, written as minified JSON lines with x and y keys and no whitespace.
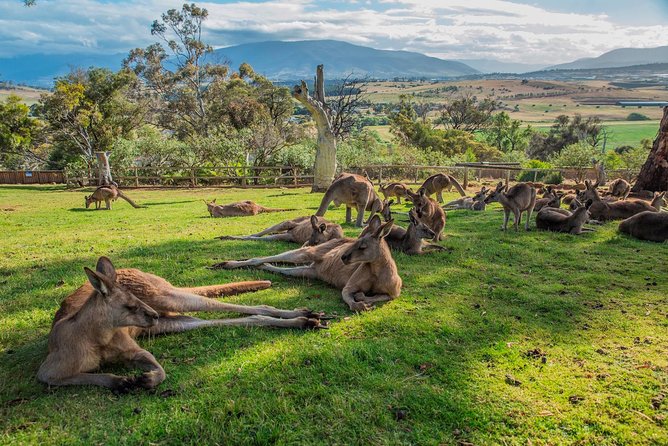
{"x":505,"y":338}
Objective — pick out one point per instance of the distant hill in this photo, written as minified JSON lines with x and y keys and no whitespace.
{"x":497,"y":66}
{"x":622,"y":57}
{"x":297,"y":60}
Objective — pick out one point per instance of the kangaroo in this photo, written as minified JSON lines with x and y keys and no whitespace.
{"x":108,"y":194}
{"x":307,"y":231}
{"x":410,"y":240}
{"x":396,"y":190}
{"x":386,"y":212}
{"x":519,"y":198}
{"x":475,"y":203}
{"x":619,"y":188}
{"x":98,"y":324}
{"x":238,"y":209}
{"x":551,"y":199}
{"x":561,"y":220}
{"x":354,"y":191}
{"x":363,"y":268}
{"x":647,"y":225}
{"x":436,"y":183}
{"x":616,"y":210}
{"x":429,"y":212}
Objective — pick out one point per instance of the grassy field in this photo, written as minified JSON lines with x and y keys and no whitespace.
{"x":529,"y":338}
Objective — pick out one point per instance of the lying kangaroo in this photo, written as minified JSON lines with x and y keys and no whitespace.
{"x":551,"y":199}
{"x":647,"y":225}
{"x":238,"y":209}
{"x":307,"y":231}
{"x":363,"y":268}
{"x":619,"y":188}
{"x":475,"y":203}
{"x":98,"y":324}
{"x":436,"y":183}
{"x":410,"y":240}
{"x":354,"y":191}
{"x":108,"y":194}
{"x":397,"y":190}
{"x":617,"y":210}
{"x":519,"y":198}
{"x":561,"y":220}
{"x":429,"y":212}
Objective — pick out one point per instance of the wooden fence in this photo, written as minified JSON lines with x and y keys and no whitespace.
{"x":32,"y":176}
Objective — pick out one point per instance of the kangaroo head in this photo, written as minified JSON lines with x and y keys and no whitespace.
{"x":367,"y":248}
{"x":590,"y":193}
{"x":421,"y":230}
{"x":123,"y":307}
{"x":659,"y":200}
{"x":386,"y":212}
{"x":319,"y":232}
{"x":372,"y":225}
{"x":494,"y":195}
{"x":481,"y":195}
{"x":89,"y":200}
{"x":376,"y":204}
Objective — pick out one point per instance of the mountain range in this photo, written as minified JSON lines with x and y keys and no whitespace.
{"x":622,"y":57}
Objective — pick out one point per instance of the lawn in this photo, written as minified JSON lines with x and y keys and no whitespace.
{"x":528,"y":338}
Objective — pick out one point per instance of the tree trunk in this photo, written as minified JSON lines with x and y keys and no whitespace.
{"x":325,"y":156}
{"x":103,"y":169}
{"x":653,"y":175}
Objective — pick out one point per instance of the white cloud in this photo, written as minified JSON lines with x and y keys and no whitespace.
{"x":499,"y":29}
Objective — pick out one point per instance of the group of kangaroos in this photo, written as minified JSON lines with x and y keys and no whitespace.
{"x":98,"y":323}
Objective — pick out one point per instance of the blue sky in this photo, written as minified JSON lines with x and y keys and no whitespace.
{"x":538,"y":31}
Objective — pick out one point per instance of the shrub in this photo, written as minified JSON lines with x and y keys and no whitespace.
{"x":553,"y":178}
{"x":637,"y":117}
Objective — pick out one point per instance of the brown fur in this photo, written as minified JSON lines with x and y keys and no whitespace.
{"x":550,"y":199}
{"x":647,"y":225}
{"x":396,"y":190}
{"x":98,"y":324}
{"x":436,"y":183}
{"x":518,"y":199}
{"x":430,"y":213}
{"x":561,"y":220}
{"x":108,"y":194}
{"x":475,"y":203}
{"x":410,"y":240}
{"x":617,"y":210}
{"x":238,"y":209}
{"x":363,"y":269}
{"x":307,"y":231}
{"x":619,"y":188}
{"x":355,"y":191}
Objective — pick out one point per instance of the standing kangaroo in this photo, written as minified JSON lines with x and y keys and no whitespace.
{"x":355,"y":191}
{"x":410,"y":240}
{"x":519,"y":198}
{"x":238,"y":209}
{"x":397,"y":190}
{"x":108,"y":194}
{"x":436,"y":183}
{"x":307,"y":231}
{"x":363,"y":269}
{"x":617,"y":210}
{"x":98,"y":324}
{"x":429,"y":212}
{"x":647,"y":225}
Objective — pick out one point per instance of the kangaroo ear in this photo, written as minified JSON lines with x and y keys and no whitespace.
{"x":588,"y":184}
{"x":98,"y":281}
{"x":412,"y":217}
{"x":314,"y":221}
{"x":322,"y":227}
{"x":384,"y":230}
{"x":104,"y":266}
{"x":422,"y":192}
{"x":375,"y":222}
{"x":391,"y":202}
{"x":214,"y":200}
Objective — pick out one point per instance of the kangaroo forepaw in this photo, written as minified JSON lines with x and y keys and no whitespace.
{"x":230,"y":264}
{"x":145,"y":381}
{"x":315,"y":324}
{"x":223,"y":237}
{"x":123,"y":385}
{"x":360,"y":306}
{"x":305,"y":312}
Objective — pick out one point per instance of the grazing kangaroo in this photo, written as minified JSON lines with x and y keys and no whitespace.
{"x":355,"y":191}
{"x":619,"y":188}
{"x":238,"y":209}
{"x":561,"y":220}
{"x":617,"y":210}
{"x":436,"y":183}
{"x":397,"y":190}
{"x":647,"y":225}
{"x":363,"y":268}
{"x":98,"y":324}
{"x":429,"y":212}
{"x":519,"y":198}
{"x":307,"y":231}
{"x":475,"y":203}
{"x":108,"y":194}
{"x":410,"y":240}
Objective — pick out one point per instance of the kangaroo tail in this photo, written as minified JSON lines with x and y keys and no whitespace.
{"x":229,"y":289}
{"x":458,"y":186}
{"x":276,"y":210}
{"x":324,"y":204}
{"x":126,"y":198}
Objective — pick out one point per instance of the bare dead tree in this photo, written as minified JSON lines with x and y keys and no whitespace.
{"x":345,"y":103}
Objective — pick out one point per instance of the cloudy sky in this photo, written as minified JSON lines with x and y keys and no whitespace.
{"x":529,"y":31}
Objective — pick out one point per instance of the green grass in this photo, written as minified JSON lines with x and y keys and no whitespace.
{"x":624,"y":133}
{"x":439,"y":355}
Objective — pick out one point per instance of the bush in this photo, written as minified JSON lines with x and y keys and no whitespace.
{"x":637,"y":117}
{"x":526,"y":175}
{"x":553,"y":178}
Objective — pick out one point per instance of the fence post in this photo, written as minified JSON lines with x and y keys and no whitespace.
{"x":535,"y":175}
{"x":65,"y":179}
{"x":380,"y":175}
{"x":136,"y":177}
{"x":466,"y":178}
{"x":295,"y":173}
{"x":416,"y":175}
{"x":193,"y":178}
{"x":507,"y":177}
{"x":243,"y":176}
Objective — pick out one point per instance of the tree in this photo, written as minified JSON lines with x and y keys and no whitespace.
{"x":467,"y":113}
{"x":564,"y":132}
{"x":654,"y":173}
{"x":507,"y":134}
{"x":325,"y":157}
{"x":19,"y":134}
